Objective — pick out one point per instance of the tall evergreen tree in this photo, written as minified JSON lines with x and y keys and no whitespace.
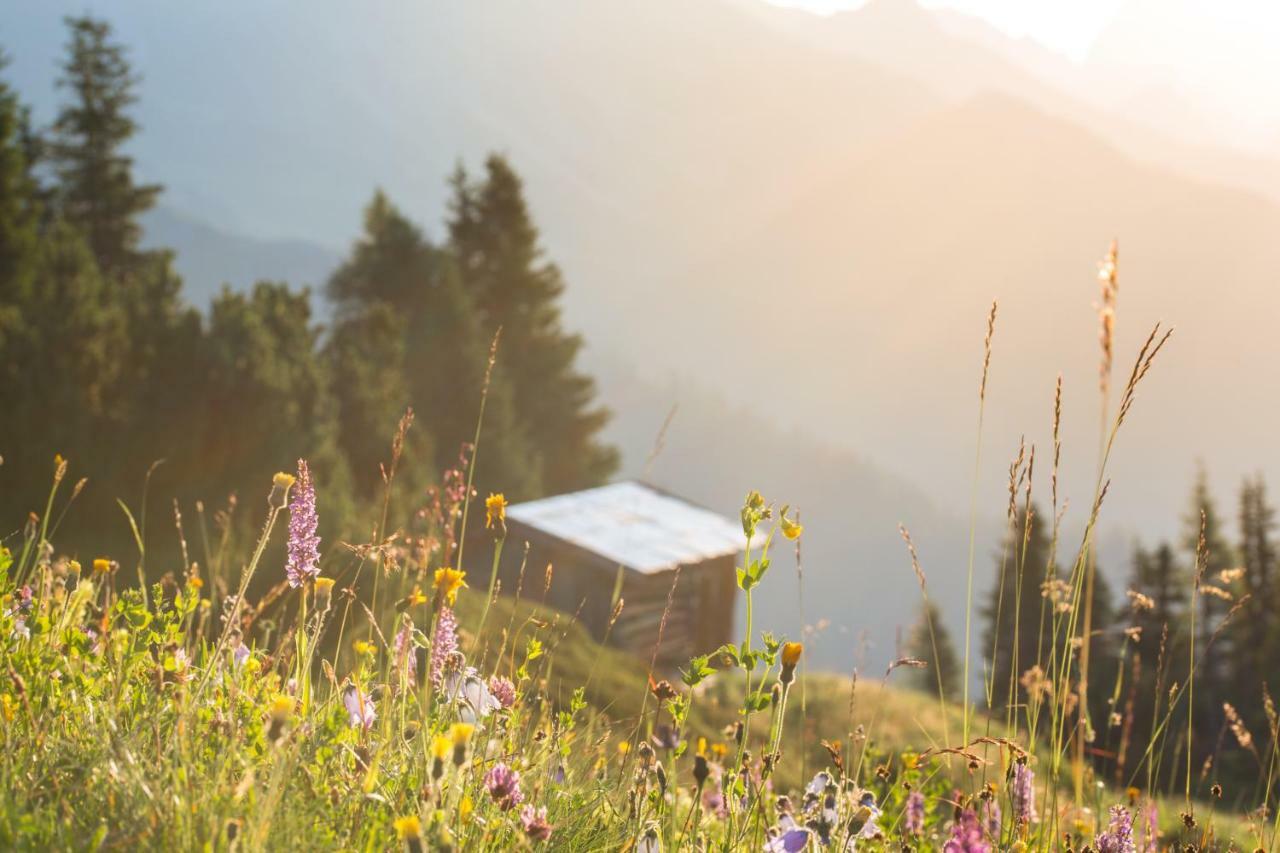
{"x":938,"y":649}
{"x":1215,"y":556}
{"x":514,"y":287}
{"x":266,"y":398}
{"x":1158,"y":609}
{"x":98,"y":194}
{"x":19,"y":213}
{"x":1020,"y":615}
{"x":1258,"y":561}
{"x":407,"y":334}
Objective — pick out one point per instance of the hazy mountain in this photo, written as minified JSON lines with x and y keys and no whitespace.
{"x":207,"y":257}
{"x":857,"y":574}
{"x":864,"y":306}
{"x":807,"y":215}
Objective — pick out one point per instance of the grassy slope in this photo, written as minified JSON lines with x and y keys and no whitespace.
{"x":872,"y":724}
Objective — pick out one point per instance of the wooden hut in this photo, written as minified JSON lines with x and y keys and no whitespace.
{"x":631,"y":534}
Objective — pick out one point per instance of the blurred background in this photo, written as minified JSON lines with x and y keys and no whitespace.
{"x":244,"y":232}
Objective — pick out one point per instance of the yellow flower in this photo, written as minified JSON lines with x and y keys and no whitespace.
{"x":790,"y":529}
{"x":73,"y":567}
{"x":790,"y":657}
{"x":101,"y":566}
{"x":460,"y":733}
{"x":720,"y":750}
{"x":440,"y":747}
{"x":365,"y":648}
{"x":8,"y":707}
{"x":280,"y":485}
{"x":195,"y":582}
{"x":465,"y":807}
{"x":281,"y":707}
{"x":416,"y":597}
{"x":324,"y":586}
{"x":702,"y":747}
{"x":408,"y":828}
{"x":624,"y":747}
{"x":448,"y":582}
{"x":495,"y":509}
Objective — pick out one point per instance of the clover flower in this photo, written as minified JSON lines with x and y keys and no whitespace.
{"x":502,"y":690}
{"x":443,"y":644}
{"x":304,"y":544}
{"x":1119,"y":835}
{"x":503,"y":785}
{"x":535,"y":823}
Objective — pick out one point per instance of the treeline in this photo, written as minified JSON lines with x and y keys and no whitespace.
{"x":103,"y":363}
{"x":1218,"y":584}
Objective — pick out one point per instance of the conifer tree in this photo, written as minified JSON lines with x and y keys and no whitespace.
{"x":97,"y":191}
{"x":514,"y":287}
{"x":938,"y":649}
{"x":1215,"y":556}
{"x":19,"y":213}
{"x":1020,"y":615}
{"x":1258,"y":562}
{"x":262,"y":366}
{"x":407,"y":334}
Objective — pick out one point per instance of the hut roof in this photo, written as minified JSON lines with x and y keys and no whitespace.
{"x":633,"y":525}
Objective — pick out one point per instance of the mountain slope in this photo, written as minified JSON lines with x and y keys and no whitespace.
{"x":870,"y":295}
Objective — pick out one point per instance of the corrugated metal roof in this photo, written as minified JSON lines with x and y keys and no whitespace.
{"x":633,"y":525}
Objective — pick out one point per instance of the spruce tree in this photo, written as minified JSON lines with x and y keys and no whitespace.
{"x":938,"y":649}
{"x":1018,"y":632}
{"x":266,"y":398}
{"x":407,"y":334}
{"x":1157,"y":608}
{"x":514,"y":287}
{"x":97,"y":191}
{"x":19,"y":211}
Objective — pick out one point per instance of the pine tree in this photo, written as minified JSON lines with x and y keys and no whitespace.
{"x":261,"y":363}
{"x":1254,"y":630}
{"x":97,"y":193}
{"x":1215,"y":556}
{"x":1158,"y":610}
{"x":514,"y":287}
{"x":1018,"y":633}
{"x":407,"y":334}
{"x":1020,"y":615}
{"x":944,"y":665}
{"x":19,"y":211}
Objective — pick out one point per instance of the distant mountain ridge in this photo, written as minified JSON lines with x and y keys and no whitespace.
{"x":207,"y":257}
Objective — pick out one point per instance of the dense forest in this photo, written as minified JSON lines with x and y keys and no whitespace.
{"x":1209,"y":586}
{"x":103,"y":362}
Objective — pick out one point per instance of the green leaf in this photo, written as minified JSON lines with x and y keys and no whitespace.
{"x":699,"y":668}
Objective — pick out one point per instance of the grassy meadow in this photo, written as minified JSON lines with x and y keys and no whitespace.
{"x":389,"y":694}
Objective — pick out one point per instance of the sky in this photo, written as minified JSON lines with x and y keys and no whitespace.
{"x":1218,"y":58}
{"x":1069,"y":28}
